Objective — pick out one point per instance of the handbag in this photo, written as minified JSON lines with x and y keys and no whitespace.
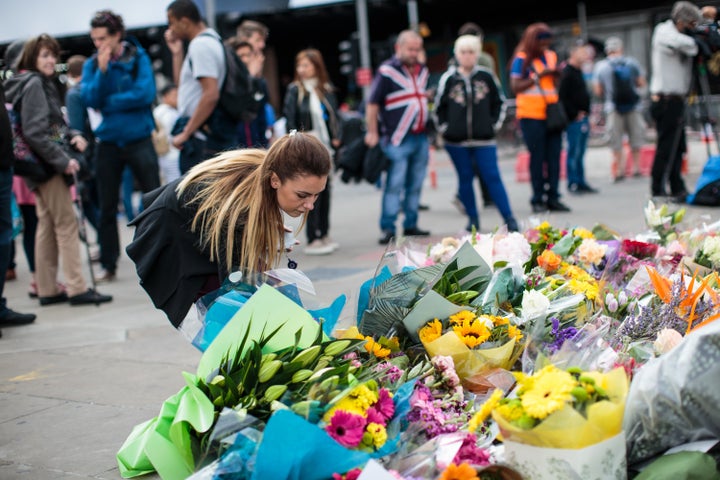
{"x":27,"y":164}
{"x":556,"y":118}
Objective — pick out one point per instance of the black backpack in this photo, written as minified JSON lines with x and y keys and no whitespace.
{"x":625,"y":97}
{"x":241,"y":95}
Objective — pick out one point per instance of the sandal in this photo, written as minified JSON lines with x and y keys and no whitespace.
{"x":33,"y":292}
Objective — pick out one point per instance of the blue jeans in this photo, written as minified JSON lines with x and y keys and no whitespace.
{"x":544,"y":148}
{"x":403,"y":184}
{"x":111,"y":161}
{"x":128,"y":187}
{"x":577,"y":137}
{"x":6,"y":231}
{"x":483,"y":160}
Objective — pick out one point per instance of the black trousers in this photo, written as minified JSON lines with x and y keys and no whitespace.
{"x":109,"y":165}
{"x":318,"y":220}
{"x":669,"y":116}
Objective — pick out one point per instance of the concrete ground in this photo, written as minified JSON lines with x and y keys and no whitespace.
{"x":74,"y":383}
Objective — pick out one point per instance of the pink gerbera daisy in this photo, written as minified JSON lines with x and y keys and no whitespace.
{"x":346,"y":428}
{"x":385,"y":405}
{"x":373,"y":416}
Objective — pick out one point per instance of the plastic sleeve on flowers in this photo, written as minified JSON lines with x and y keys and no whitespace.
{"x":674,"y":399}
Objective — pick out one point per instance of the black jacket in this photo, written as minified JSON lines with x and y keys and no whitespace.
{"x":573,"y":92}
{"x":297,"y":113}
{"x":173,"y":269}
{"x":468,"y":108}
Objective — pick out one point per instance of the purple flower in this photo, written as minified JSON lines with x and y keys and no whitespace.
{"x":421,"y":393}
{"x":559,"y":336}
{"x":390,"y":372}
{"x":346,"y":428}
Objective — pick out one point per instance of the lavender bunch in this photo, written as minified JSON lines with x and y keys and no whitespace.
{"x":649,"y":320}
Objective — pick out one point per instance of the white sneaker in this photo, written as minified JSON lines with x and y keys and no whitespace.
{"x":317,"y":247}
{"x":330,"y":243}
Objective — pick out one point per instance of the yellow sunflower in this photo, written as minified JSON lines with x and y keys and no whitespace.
{"x":431,"y":331}
{"x":549,"y":393}
{"x":514,"y":332}
{"x":500,"y":320}
{"x":461,"y":316}
{"x":376,"y":349}
{"x":472,"y":333}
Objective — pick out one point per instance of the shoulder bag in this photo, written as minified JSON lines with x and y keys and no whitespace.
{"x":557,"y":119}
{"x":27,"y":164}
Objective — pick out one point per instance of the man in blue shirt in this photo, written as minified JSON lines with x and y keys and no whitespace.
{"x":119,"y":83}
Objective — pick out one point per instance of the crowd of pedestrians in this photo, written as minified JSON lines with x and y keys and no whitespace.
{"x":114,"y":128}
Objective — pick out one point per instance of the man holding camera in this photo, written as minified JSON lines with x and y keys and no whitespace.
{"x":673,"y":52}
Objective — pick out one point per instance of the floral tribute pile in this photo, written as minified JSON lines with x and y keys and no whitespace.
{"x":553,"y":353}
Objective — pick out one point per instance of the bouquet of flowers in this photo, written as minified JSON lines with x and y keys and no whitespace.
{"x":663,"y":222}
{"x":562,"y":423}
{"x":271,"y":350}
{"x":708,"y":255}
{"x":360,"y":418}
{"x":672,"y":400}
{"x":675,"y":305}
{"x":475,"y":342}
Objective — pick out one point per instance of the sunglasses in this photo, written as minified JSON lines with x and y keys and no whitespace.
{"x":544,"y":35}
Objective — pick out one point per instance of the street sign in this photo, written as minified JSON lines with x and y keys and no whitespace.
{"x":363,"y":76}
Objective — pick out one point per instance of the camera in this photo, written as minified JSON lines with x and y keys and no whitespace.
{"x":707,"y":38}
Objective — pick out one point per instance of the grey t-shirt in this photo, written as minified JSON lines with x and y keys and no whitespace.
{"x":205,"y":58}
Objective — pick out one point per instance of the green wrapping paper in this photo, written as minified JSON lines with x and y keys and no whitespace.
{"x":165,"y":444}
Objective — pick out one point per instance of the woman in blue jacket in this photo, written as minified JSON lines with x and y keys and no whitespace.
{"x":469,"y":106}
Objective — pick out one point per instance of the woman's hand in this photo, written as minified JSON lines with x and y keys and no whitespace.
{"x":79,"y":142}
{"x":289,"y":239}
{"x":73,"y":167}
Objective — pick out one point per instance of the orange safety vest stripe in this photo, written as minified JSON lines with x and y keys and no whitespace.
{"x":531,"y":102}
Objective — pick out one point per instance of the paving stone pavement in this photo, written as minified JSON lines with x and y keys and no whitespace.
{"x":74,"y":383}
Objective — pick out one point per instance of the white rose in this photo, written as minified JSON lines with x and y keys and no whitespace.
{"x":666,"y":340}
{"x":534,"y":304}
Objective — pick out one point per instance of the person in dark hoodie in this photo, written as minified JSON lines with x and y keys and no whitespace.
{"x":469,"y":106}
{"x":35,"y":97}
{"x":118,"y":80}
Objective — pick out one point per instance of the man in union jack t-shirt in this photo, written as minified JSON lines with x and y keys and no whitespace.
{"x":397,"y":110}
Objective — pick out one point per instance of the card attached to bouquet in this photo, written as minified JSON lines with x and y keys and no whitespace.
{"x":603,"y":460}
